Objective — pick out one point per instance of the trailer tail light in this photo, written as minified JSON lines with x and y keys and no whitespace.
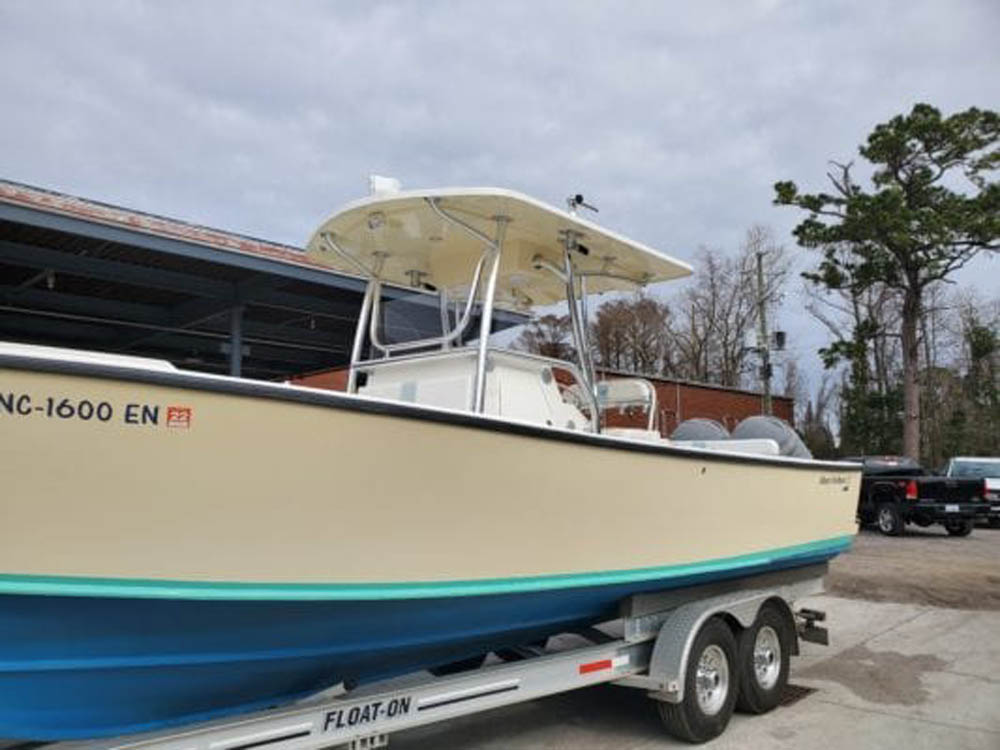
{"x":911,"y":490}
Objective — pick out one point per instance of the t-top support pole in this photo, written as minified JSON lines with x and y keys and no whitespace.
{"x":486,"y":317}
{"x":578,"y":327}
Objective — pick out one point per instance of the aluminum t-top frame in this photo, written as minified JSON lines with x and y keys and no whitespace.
{"x":483,"y":287}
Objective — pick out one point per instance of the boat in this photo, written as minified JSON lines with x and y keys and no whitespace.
{"x":177,"y":546}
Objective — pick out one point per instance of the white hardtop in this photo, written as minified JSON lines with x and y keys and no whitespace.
{"x":415,"y":245}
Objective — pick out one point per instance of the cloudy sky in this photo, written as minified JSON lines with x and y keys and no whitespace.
{"x":675,"y":118}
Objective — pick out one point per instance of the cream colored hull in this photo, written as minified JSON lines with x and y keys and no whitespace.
{"x":264,"y":488}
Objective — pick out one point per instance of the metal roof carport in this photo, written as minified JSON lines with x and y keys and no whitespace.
{"x":83,"y":274}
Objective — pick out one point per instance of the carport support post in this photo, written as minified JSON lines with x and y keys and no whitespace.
{"x":236,"y":341}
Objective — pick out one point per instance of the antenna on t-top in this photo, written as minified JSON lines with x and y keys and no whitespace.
{"x":576,"y":201}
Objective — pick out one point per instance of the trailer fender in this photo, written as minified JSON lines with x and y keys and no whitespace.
{"x":668,"y":662}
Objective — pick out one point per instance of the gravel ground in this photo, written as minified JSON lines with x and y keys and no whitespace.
{"x":923,"y":566}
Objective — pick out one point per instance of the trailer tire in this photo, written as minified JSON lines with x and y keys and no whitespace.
{"x":888,"y":519}
{"x":764,"y":651}
{"x":958,"y":527}
{"x":710,"y":686}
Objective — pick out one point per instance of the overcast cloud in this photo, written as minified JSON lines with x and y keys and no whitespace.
{"x":675,"y":118}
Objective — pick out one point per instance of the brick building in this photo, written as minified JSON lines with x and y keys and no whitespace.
{"x":678,"y":400}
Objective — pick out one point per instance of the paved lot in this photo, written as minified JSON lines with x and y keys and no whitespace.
{"x":897,"y":674}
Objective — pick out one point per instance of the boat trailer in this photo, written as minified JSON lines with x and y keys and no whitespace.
{"x":649,"y":647}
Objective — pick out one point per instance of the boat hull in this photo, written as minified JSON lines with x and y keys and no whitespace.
{"x":80,"y":667}
{"x":205,"y":545}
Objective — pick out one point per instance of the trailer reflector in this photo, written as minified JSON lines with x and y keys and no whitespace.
{"x":597,"y":666}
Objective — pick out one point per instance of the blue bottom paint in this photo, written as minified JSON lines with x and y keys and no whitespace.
{"x":80,"y":667}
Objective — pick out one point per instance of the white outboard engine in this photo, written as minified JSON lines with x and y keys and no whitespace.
{"x":700,"y":429}
{"x":772,"y":428}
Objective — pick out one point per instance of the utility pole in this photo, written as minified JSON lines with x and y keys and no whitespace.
{"x":764,"y":344}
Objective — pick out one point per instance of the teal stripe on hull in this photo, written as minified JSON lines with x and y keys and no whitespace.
{"x":211,"y":590}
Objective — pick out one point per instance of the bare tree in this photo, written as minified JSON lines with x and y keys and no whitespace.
{"x":608,"y":334}
{"x":549,"y":336}
{"x":701,"y":335}
{"x":816,"y":427}
{"x":647,"y":334}
{"x":716,"y":314}
{"x":633,"y":334}
{"x":794,"y":387}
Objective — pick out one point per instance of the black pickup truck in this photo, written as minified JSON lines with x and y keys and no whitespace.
{"x":896,"y":491}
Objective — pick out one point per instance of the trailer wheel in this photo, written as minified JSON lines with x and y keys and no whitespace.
{"x":764,"y":650}
{"x":710,"y":685}
{"x":958,"y":527}
{"x":888,"y":519}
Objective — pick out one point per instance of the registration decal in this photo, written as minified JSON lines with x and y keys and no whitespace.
{"x":179,"y":416}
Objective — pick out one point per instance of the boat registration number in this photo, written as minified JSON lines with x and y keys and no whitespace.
{"x":94,"y":410}
{"x":366,"y":713}
{"x":951,"y":509}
